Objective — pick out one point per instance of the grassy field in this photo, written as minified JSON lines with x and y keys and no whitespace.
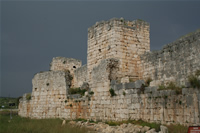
{"x":25,"y":125}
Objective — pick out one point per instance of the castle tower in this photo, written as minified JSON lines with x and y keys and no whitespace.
{"x":120,"y":39}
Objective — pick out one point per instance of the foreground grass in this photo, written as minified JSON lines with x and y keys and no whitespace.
{"x":177,"y":129}
{"x":26,"y":125}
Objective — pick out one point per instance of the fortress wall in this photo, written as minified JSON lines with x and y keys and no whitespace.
{"x":24,"y":106}
{"x":80,"y":76}
{"x":130,"y":102}
{"x":48,"y":95}
{"x":65,"y":64}
{"x":102,"y":74}
{"x":174,"y":62}
{"x":120,"y":39}
{"x":153,"y":106}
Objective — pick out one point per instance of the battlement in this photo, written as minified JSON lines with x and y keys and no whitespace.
{"x":120,"y":22}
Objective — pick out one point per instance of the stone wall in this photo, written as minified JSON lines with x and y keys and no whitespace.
{"x":48,"y":94}
{"x":174,"y":62}
{"x":130,"y":102}
{"x":80,"y":76}
{"x":103,"y":73}
{"x":120,"y":39}
{"x":65,"y":64}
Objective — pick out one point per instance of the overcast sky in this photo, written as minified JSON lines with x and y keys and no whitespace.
{"x":33,"y":32}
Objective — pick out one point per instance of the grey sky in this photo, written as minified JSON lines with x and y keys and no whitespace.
{"x":34,"y":32}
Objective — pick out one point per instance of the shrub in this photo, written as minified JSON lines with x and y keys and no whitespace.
{"x":28,"y":96}
{"x":197,"y":73}
{"x":91,"y":92}
{"x":112,"y":92}
{"x":194,"y":82}
{"x":124,"y":93}
{"x":77,"y":91}
{"x":170,"y":86}
{"x":148,"y":80}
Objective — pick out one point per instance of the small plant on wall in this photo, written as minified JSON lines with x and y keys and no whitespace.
{"x":112,"y":92}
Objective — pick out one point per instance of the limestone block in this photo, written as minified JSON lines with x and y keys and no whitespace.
{"x":139,"y":83}
{"x":130,"y":85}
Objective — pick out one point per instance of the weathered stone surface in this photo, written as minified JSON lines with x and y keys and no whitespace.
{"x":139,"y":83}
{"x":85,"y":86}
{"x":163,"y":129}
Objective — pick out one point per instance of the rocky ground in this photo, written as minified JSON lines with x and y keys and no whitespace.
{"x":123,"y":128}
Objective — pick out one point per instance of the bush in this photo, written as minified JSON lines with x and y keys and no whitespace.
{"x":112,"y":92}
{"x":28,"y":96}
{"x":197,"y":73}
{"x":91,"y":93}
{"x":170,"y":86}
{"x":148,"y":80}
{"x":124,"y":93}
{"x":77,"y":91}
{"x":194,"y":82}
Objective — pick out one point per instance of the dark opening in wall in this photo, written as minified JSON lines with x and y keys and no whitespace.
{"x":35,"y":89}
{"x":74,"y":66}
{"x":99,"y":50}
{"x":47,"y":84}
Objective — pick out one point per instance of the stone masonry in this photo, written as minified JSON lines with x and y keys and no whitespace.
{"x":119,"y":59}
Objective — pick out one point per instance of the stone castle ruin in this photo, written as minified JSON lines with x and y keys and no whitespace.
{"x":119,"y":61}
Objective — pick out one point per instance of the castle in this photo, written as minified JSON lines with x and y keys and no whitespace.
{"x":119,"y":57}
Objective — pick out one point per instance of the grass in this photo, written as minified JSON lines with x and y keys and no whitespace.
{"x":194,"y":82}
{"x":26,"y":125}
{"x":171,"y":86}
{"x":156,"y":126}
{"x":177,"y":129}
{"x":77,"y":91}
{"x":136,"y":122}
{"x":28,"y":96}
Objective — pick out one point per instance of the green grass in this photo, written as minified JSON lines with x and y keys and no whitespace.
{"x":77,"y":91}
{"x":194,"y":82}
{"x":26,"y":125}
{"x":177,"y":129}
{"x":171,"y":86}
{"x":138,"y":122}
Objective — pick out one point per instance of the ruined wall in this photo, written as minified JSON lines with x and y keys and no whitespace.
{"x":103,"y":73}
{"x":65,"y":64}
{"x":48,"y":94}
{"x":165,"y":107}
{"x":80,"y":76}
{"x":120,"y":39}
{"x":152,"y":106}
{"x":174,"y":62}
{"x":24,"y":106}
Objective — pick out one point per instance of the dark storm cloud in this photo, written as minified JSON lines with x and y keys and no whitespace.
{"x":34,"y":32}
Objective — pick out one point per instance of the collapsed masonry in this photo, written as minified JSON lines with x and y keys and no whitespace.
{"x":119,"y":54}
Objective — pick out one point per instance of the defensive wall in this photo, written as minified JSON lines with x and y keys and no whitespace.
{"x":174,"y":62}
{"x":119,"y":58}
